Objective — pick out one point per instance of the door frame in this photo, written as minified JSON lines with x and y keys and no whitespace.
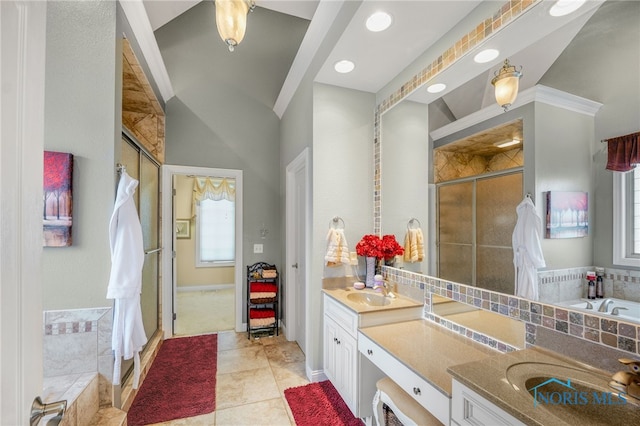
{"x":301,"y":162}
{"x":22,"y":73}
{"x":169,"y":286}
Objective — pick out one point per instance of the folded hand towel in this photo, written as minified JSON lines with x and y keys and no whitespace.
{"x":261,"y":313}
{"x":261,"y":322}
{"x":259,"y":287}
{"x":337,"y":249}
{"x":262,"y":295}
{"x":414,"y":246}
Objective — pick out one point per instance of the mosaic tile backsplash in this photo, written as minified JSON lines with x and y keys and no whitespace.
{"x":608,"y":332}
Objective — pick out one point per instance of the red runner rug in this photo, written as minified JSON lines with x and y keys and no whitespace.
{"x":319,"y":404}
{"x":180,"y":383}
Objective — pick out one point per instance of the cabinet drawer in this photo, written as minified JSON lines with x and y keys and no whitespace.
{"x":422,"y":391}
{"x":469,"y":408}
{"x":342,"y":315}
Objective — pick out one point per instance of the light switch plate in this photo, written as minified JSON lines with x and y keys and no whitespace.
{"x":257,"y":248}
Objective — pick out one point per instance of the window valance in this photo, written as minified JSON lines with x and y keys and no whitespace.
{"x":215,"y":189}
{"x":623,"y":152}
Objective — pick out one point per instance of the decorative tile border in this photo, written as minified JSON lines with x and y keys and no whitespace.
{"x":485,"y":28}
{"x":595,"y":329}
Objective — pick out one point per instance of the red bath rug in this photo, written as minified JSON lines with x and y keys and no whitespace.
{"x":181,"y":382}
{"x":319,"y":404}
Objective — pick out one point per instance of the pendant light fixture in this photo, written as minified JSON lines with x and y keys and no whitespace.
{"x":231,"y":20}
{"x":506,"y":82}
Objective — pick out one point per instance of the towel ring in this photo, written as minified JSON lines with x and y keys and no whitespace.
{"x":411,"y":221}
{"x":335,"y":223}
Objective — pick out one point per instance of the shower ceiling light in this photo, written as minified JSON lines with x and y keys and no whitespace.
{"x":231,"y":20}
{"x":507,"y":143}
{"x":506,"y":83}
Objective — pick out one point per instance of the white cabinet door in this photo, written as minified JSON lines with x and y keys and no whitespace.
{"x":331,"y":350}
{"x":469,"y":408}
{"x":348,"y":367}
{"x":340,"y":361}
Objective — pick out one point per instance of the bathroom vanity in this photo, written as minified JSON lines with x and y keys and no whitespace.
{"x":343,"y":317}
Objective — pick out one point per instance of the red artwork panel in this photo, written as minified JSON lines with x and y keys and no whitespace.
{"x":57,"y":199}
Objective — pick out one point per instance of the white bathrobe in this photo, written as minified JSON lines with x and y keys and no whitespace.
{"x":527,"y":250}
{"x":125,"y":282}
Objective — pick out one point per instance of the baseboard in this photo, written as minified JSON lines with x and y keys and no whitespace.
{"x":209,"y":287}
{"x":316,"y":375}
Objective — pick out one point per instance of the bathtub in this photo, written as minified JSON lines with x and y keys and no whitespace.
{"x":631,"y":314}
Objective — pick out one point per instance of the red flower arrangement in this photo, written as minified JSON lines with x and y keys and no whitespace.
{"x":373,"y":246}
{"x":390,"y":247}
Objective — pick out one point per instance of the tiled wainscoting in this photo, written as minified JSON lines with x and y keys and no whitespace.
{"x":586,"y":328}
{"x":78,"y":361}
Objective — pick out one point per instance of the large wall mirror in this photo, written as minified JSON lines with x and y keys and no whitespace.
{"x":420,"y":165}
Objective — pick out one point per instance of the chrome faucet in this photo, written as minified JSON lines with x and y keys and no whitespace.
{"x":616,"y":310}
{"x":386,"y":289}
{"x":604,"y":307}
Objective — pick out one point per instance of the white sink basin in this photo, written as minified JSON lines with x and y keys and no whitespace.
{"x":369,"y":299}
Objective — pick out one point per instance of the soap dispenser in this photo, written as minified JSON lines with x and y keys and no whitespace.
{"x":591,"y":289}
{"x":599,"y":283}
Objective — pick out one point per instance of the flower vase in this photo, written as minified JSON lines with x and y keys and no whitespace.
{"x":370,"y":271}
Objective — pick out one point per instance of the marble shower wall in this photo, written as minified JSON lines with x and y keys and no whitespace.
{"x":78,"y":341}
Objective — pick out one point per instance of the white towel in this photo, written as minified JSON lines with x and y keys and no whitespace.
{"x":125,"y":281}
{"x":337,"y":249}
{"x":414,"y":245}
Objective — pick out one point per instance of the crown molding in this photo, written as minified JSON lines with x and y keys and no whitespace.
{"x":538,"y":93}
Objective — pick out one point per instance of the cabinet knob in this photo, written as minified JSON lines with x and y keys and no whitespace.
{"x":338,"y":342}
{"x":335,"y":339}
{"x":416,"y":391}
{"x":369,"y":351}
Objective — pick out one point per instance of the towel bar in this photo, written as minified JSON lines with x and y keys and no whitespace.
{"x":335,"y":222}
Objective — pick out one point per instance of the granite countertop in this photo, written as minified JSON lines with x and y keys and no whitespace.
{"x":427,"y":349}
{"x":503,"y":380}
{"x":341,"y":295}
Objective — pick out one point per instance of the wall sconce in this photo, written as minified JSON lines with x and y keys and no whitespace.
{"x":231,"y":20}
{"x":506,"y":82}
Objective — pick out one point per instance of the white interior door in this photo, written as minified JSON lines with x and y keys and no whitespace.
{"x":22,"y":64}
{"x":297,"y":251}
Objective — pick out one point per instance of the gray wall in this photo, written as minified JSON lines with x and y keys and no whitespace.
{"x":82,"y":116}
{"x":208,"y":127}
{"x":604,"y":66}
{"x":342,"y":184}
{"x":405,"y":149}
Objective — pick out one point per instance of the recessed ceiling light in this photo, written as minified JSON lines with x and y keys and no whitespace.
{"x":379,"y":21}
{"x":486,"y":56}
{"x":344,"y":66}
{"x":507,"y":143}
{"x":565,"y":7}
{"x":436,"y":88}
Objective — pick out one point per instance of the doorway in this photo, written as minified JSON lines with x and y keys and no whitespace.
{"x":201,"y":281}
{"x":298,"y":202}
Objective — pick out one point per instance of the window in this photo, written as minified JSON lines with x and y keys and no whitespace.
{"x":626,"y":218}
{"x":214,"y":205}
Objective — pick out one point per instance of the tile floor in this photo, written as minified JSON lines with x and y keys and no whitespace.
{"x":251,"y":379}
